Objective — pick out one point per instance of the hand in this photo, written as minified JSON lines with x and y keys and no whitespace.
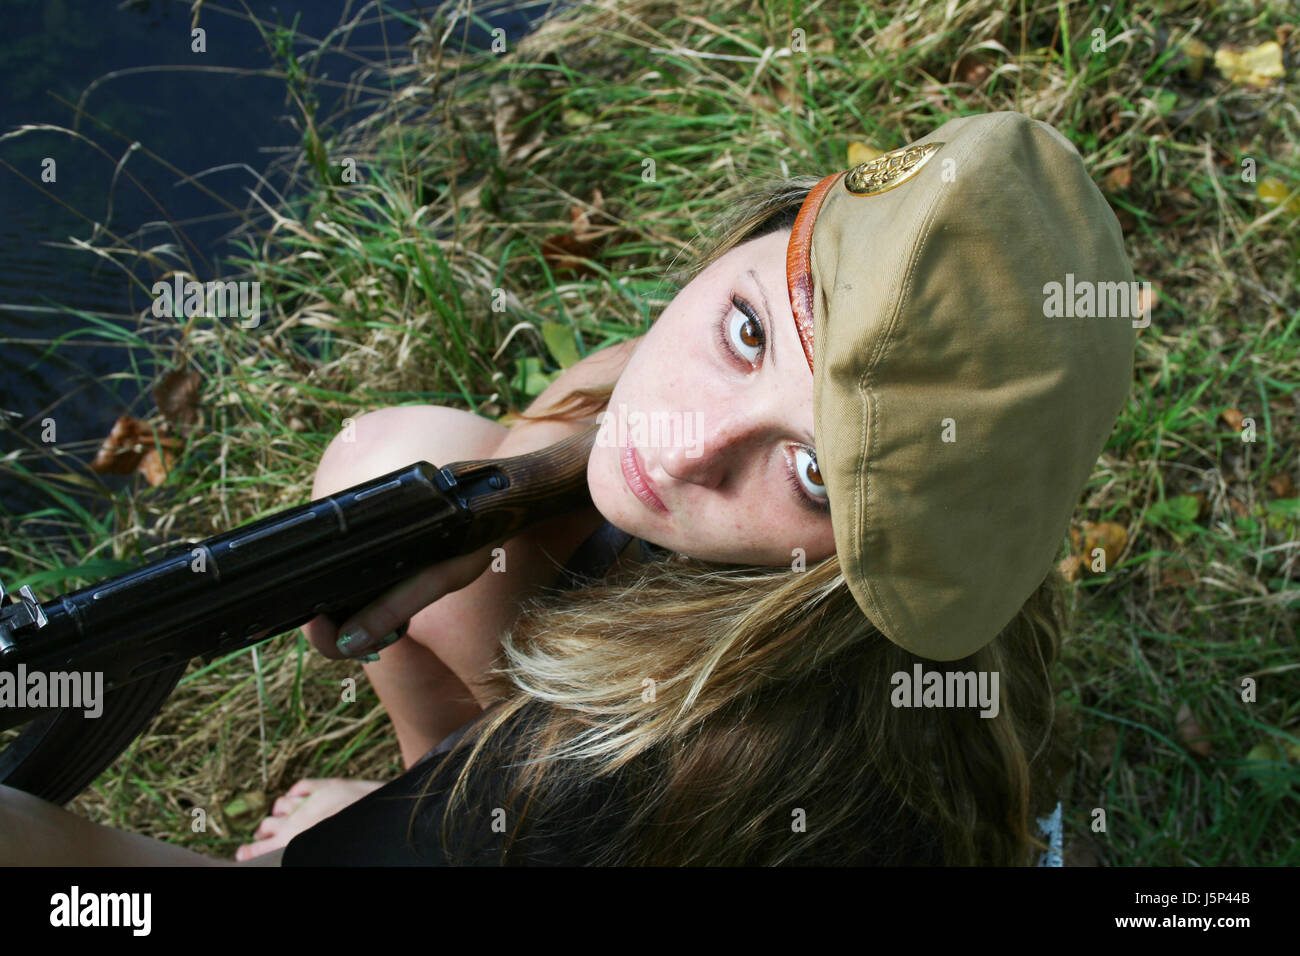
{"x":383,"y":621}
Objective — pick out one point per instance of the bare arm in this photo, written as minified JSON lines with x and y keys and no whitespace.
{"x":36,"y":833}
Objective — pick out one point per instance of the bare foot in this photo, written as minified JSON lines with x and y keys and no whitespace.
{"x":305,"y":804}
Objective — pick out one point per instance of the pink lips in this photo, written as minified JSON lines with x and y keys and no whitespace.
{"x":638,"y":482}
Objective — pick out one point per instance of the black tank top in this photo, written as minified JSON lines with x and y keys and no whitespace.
{"x":374,"y":830}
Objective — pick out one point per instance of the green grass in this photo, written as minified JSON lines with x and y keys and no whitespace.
{"x":380,"y":292}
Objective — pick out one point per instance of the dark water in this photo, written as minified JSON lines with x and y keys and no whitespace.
{"x":50,"y":53}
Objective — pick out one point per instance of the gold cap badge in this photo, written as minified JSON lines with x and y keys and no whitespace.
{"x":888,"y":169}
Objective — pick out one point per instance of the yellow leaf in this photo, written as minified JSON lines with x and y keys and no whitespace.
{"x":1272,"y":190}
{"x":860,"y":152}
{"x":1108,"y":536}
{"x":1258,"y":66}
{"x":1195,"y":54}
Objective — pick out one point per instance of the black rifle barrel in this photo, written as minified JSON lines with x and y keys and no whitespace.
{"x":331,"y":556}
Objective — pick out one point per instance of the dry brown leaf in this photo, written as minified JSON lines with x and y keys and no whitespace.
{"x":177,"y":396}
{"x":1175,"y":578}
{"x":155,"y":468}
{"x":1192,"y":734}
{"x":1282,"y":485}
{"x":570,"y":254}
{"x":122,"y":450}
{"x":132,"y":446}
{"x":1119,"y":177}
{"x":972,"y":70}
{"x":1233,"y":417}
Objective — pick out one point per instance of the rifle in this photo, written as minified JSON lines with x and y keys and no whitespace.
{"x":209,"y":598}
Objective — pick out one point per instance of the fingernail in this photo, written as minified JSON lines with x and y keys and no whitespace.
{"x":353,"y":641}
{"x":369,"y":658}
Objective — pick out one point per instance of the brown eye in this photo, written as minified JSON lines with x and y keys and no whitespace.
{"x":805,"y":466}
{"x":746,"y":334}
{"x":814,"y":474}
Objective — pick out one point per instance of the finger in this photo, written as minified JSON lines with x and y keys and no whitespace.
{"x":365,"y":631}
{"x":322,"y":634}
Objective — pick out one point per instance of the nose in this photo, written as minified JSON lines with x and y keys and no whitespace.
{"x":719,"y":449}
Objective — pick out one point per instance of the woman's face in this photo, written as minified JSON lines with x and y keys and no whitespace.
{"x":716,"y":405}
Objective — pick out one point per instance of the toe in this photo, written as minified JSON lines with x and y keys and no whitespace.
{"x":286,"y":805}
{"x":257,"y":848}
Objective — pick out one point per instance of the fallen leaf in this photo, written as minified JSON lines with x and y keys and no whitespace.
{"x":122,"y":450}
{"x":1273,"y":191}
{"x":1256,"y":66}
{"x":1260,"y":765}
{"x":560,"y":343}
{"x":575,"y":119}
{"x":1108,"y":536}
{"x":1119,"y":177}
{"x":155,"y":468}
{"x":860,"y":152}
{"x":1195,"y":55}
{"x":133,"y":445}
{"x":1071,"y":567}
{"x":580,"y":218}
{"x":567,"y":257}
{"x":1233,"y":418}
{"x":177,"y":396}
{"x":972,"y":70}
{"x":1192,"y":734}
{"x":1282,"y":485}
{"x":1175,"y":579}
{"x":570,"y":254}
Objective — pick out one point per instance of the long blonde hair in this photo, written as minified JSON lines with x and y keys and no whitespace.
{"x":687,"y":712}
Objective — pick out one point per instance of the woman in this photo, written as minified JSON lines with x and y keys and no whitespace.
{"x":892,"y":437}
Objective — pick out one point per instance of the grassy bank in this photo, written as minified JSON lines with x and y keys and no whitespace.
{"x":570,"y":177}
